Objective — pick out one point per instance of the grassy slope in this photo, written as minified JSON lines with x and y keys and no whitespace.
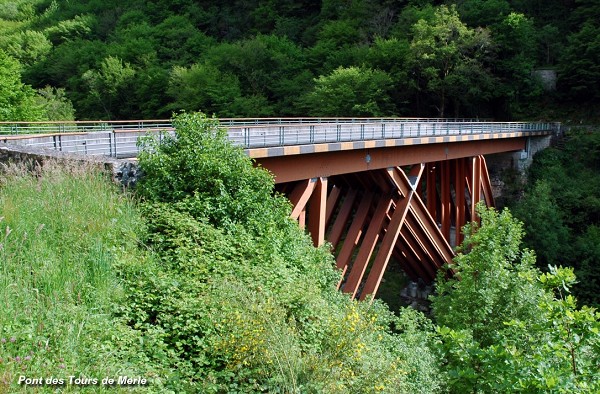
{"x":61,"y":232}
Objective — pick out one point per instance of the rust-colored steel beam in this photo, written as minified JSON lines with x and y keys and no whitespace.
{"x":446,"y":199}
{"x":460,"y":202}
{"x":431,"y":179}
{"x":367,"y":246}
{"x":425,"y":264}
{"x":302,"y":219}
{"x":317,"y":212}
{"x":332,"y":200}
{"x":475,"y":186}
{"x":385,"y":249}
{"x":341,"y":219}
{"x":300,"y":196}
{"x":402,"y":259}
{"x":413,"y":258}
{"x":327,"y":164}
{"x":432,"y":231}
{"x":486,"y":183}
{"x":428,"y":252}
{"x":343,"y":258}
{"x":425,"y":220}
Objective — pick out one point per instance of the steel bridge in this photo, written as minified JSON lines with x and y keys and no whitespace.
{"x":375,"y":189}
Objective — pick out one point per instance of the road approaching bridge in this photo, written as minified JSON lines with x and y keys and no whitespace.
{"x":377,"y":189}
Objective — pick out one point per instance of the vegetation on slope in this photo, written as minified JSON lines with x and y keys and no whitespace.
{"x":146,"y":59}
{"x":63,"y":232}
{"x":504,"y":326}
{"x":561,"y":209}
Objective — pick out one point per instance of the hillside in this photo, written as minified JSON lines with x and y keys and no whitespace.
{"x":136,"y":59}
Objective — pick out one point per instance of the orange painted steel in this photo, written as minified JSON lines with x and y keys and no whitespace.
{"x":486,"y":184}
{"x":459,"y":191}
{"x":385,"y":250}
{"x":327,"y":164}
{"x":396,"y":213}
{"x":301,"y":195}
{"x":342,"y":218}
{"x":317,"y":212}
{"x":445,"y":197}
{"x":367,"y":246}
{"x":331,"y":202}
{"x":475,"y":185}
{"x":343,"y":258}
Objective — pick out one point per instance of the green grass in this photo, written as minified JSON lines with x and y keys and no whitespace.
{"x":62,"y":231}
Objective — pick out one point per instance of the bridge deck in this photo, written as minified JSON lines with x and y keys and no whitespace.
{"x":268,"y":137}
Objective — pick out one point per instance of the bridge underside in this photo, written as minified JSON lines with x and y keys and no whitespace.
{"x":411,"y":213}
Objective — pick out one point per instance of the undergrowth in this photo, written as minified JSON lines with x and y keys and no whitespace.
{"x":62,"y":231}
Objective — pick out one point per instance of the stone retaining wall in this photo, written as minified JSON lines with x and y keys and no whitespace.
{"x":123,"y":172}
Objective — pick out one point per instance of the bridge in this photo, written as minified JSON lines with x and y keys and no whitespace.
{"x":375,"y":189}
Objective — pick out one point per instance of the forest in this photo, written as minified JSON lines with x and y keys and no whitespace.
{"x":199,"y":281}
{"x":132,"y":59}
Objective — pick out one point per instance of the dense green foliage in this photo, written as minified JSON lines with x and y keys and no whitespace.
{"x":147,"y":59}
{"x":63,"y":233}
{"x":561,"y":209}
{"x":239,"y":297}
{"x":505,"y":327}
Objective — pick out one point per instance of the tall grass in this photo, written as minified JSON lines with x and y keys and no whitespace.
{"x":62,"y":230}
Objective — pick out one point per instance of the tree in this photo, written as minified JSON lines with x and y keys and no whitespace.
{"x":29,"y":47}
{"x":546,"y":232}
{"x":351,"y":91}
{"x":110,"y":85}
{"x":493,"y":279}
{"x":445,"y":55}
{"x":504,"y":326}
{"x":17,"y":100}
{"x":55,"y":104}
{"x":483,"y":12}
{"x":579,"y":71}
{"x":203,"y":87}
{"x":268,"y":68}
{"x":516,"y":40}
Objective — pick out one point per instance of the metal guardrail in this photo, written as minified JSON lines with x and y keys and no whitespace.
{"x":119,"y":139}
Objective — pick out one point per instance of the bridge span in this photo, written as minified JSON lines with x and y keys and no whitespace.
{"x":375,"y":189}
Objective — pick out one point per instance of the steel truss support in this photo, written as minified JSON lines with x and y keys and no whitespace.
{"x":457,"y":186}
{"x":411,"y":214}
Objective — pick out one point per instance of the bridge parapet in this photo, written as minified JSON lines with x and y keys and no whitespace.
{"x":119,"y":138}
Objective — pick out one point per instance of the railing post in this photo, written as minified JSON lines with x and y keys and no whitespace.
{"x":311,"y":132}
{"x":338,"y":129}
{"x":281,"y":135}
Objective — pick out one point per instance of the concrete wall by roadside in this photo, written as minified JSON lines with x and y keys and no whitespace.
{"x":123,"y":172}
